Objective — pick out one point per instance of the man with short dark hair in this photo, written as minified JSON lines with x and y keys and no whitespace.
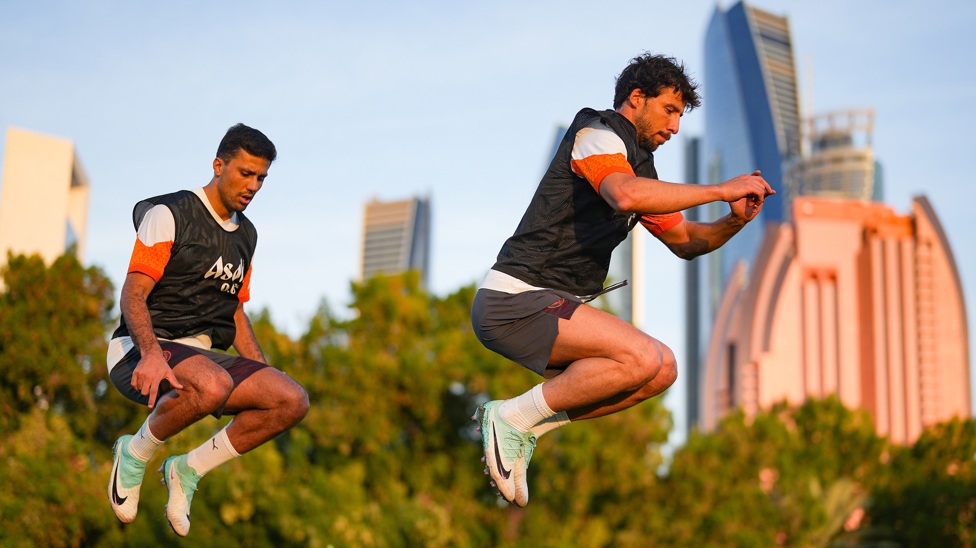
{"x":530,"y":307}
{"x":183,"y":295}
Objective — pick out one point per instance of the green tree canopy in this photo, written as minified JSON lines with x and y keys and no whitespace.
{"x":387,"y":455}
{"x":52,"y":338}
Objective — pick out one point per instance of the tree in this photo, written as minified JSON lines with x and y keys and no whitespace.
{"x":929,"y":496}
{"x":52,"y":339}
{"x":387,"y":455}
{"x":788,"y":476}
{"x":52,"y":373}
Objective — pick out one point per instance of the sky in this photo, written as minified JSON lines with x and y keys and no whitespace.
{"x":456,"y":100}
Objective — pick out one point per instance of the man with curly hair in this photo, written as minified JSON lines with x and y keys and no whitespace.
{"x":531,"y":306}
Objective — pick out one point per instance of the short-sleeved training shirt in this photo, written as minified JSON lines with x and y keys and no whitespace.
{"x":568,"y":232}
{"x":201,"y":265}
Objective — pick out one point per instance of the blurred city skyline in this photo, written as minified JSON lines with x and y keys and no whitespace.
{"x":393,"y":101}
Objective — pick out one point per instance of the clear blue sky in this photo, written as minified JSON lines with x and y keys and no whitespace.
{"x":456,"y":99}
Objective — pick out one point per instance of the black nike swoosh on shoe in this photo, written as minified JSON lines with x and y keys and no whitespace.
{"x":498,"y":456}
{"x":119,"y":501}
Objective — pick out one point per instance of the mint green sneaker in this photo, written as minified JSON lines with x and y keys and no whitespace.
{"x":181,"y":481}
{"x":522,"y":469}
{"x":504,"y":448}
{"x":126,"y":481}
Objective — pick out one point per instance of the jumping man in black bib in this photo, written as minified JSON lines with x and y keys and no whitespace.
{"x":183,"y":296}
{"x":600,"y":184}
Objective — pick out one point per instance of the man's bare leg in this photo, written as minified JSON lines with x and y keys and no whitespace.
{"x":604,"y":365}
{"x":206,"y":387}
{"x":611,"y":366}
{"x":265,"y":404}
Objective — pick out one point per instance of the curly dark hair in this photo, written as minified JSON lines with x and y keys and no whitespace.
{"x":652,"y":74}
{"x":250,"y":140}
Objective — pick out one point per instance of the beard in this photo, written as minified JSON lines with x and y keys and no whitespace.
{"x":645,"y":136}
{"x":646,"y":142}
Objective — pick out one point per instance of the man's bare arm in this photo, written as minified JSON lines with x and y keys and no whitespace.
{"x":152,"y":368}
{"x":625,"y":192}
{"x":690,"y":239}
{"x":245,"y":342}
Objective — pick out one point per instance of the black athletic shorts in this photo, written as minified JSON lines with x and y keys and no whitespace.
{"x":239,"y":368}
{"x":521,"y":326}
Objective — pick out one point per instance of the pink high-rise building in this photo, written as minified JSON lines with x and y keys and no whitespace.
{"x":852,"y":299}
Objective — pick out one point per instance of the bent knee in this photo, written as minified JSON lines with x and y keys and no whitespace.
{"x":653,"y":361}
{"x":668,"y":373}
{"x":212,"y":390}
{"x":300,"y":404}
{"x":293,"y":405}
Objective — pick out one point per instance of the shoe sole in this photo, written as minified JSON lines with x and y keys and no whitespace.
{"x":164,"y":480}
{"x":493,"y":456}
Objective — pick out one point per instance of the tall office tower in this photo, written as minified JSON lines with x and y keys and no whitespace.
{"x":752,"y":121}
{"x":694,"y":312}
{"x":396,"y":237}
{"x":752,"y":116}
{"x":44,"y":199}
{"x":840,"y":162}
{"x":848,"y":299}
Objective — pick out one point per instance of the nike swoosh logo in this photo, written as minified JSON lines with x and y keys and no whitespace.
{"x":498,"y":455}
{"x":119,"y":501}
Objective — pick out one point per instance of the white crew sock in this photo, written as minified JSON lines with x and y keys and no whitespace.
{"x":525,"y":411}
{"x":144,"y":443}
{"x":214,"y":452}
{"x":549,"y":424}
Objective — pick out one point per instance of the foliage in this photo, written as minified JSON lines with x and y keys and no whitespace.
{"x":929,"y":495}
{"x":52,"y":337}
{"x":788,"y":476}
{"x":387,"y":455}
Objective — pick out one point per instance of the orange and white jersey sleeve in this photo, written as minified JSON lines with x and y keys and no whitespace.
{"x":154,"y":241}
{"x":244,"y":294}
{"x":656,"y":224}
{"x":598,"y":152}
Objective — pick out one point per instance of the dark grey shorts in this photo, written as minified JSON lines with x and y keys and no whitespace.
{"x":521,"y":326}
{"x":237,"y":367}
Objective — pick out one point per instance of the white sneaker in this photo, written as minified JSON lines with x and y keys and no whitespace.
{"x":504,"y":446}
{"x":181,"y":481}
{"x":521,"y":471}
{"x":126,"y":481}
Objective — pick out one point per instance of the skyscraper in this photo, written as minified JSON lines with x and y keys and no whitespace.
{"x":849,"y":299}
{"x":752,"y":121}
{"x":839,"y":160}
{"x":44,"y":198}
{"x":396,"y":237}
{"x":752,"y":116}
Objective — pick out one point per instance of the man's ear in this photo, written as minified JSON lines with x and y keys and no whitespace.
{"x":218,"y":166}
{"x":636,"y":97}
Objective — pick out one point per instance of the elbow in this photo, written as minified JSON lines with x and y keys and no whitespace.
{"x":689,"y":250}
{"x":620,"y":192}
{"x":623,"y":202}
{"x":683,"y":253}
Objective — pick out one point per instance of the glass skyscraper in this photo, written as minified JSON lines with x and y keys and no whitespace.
{"x":752,"y":116}
{"x":752,"y":121}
